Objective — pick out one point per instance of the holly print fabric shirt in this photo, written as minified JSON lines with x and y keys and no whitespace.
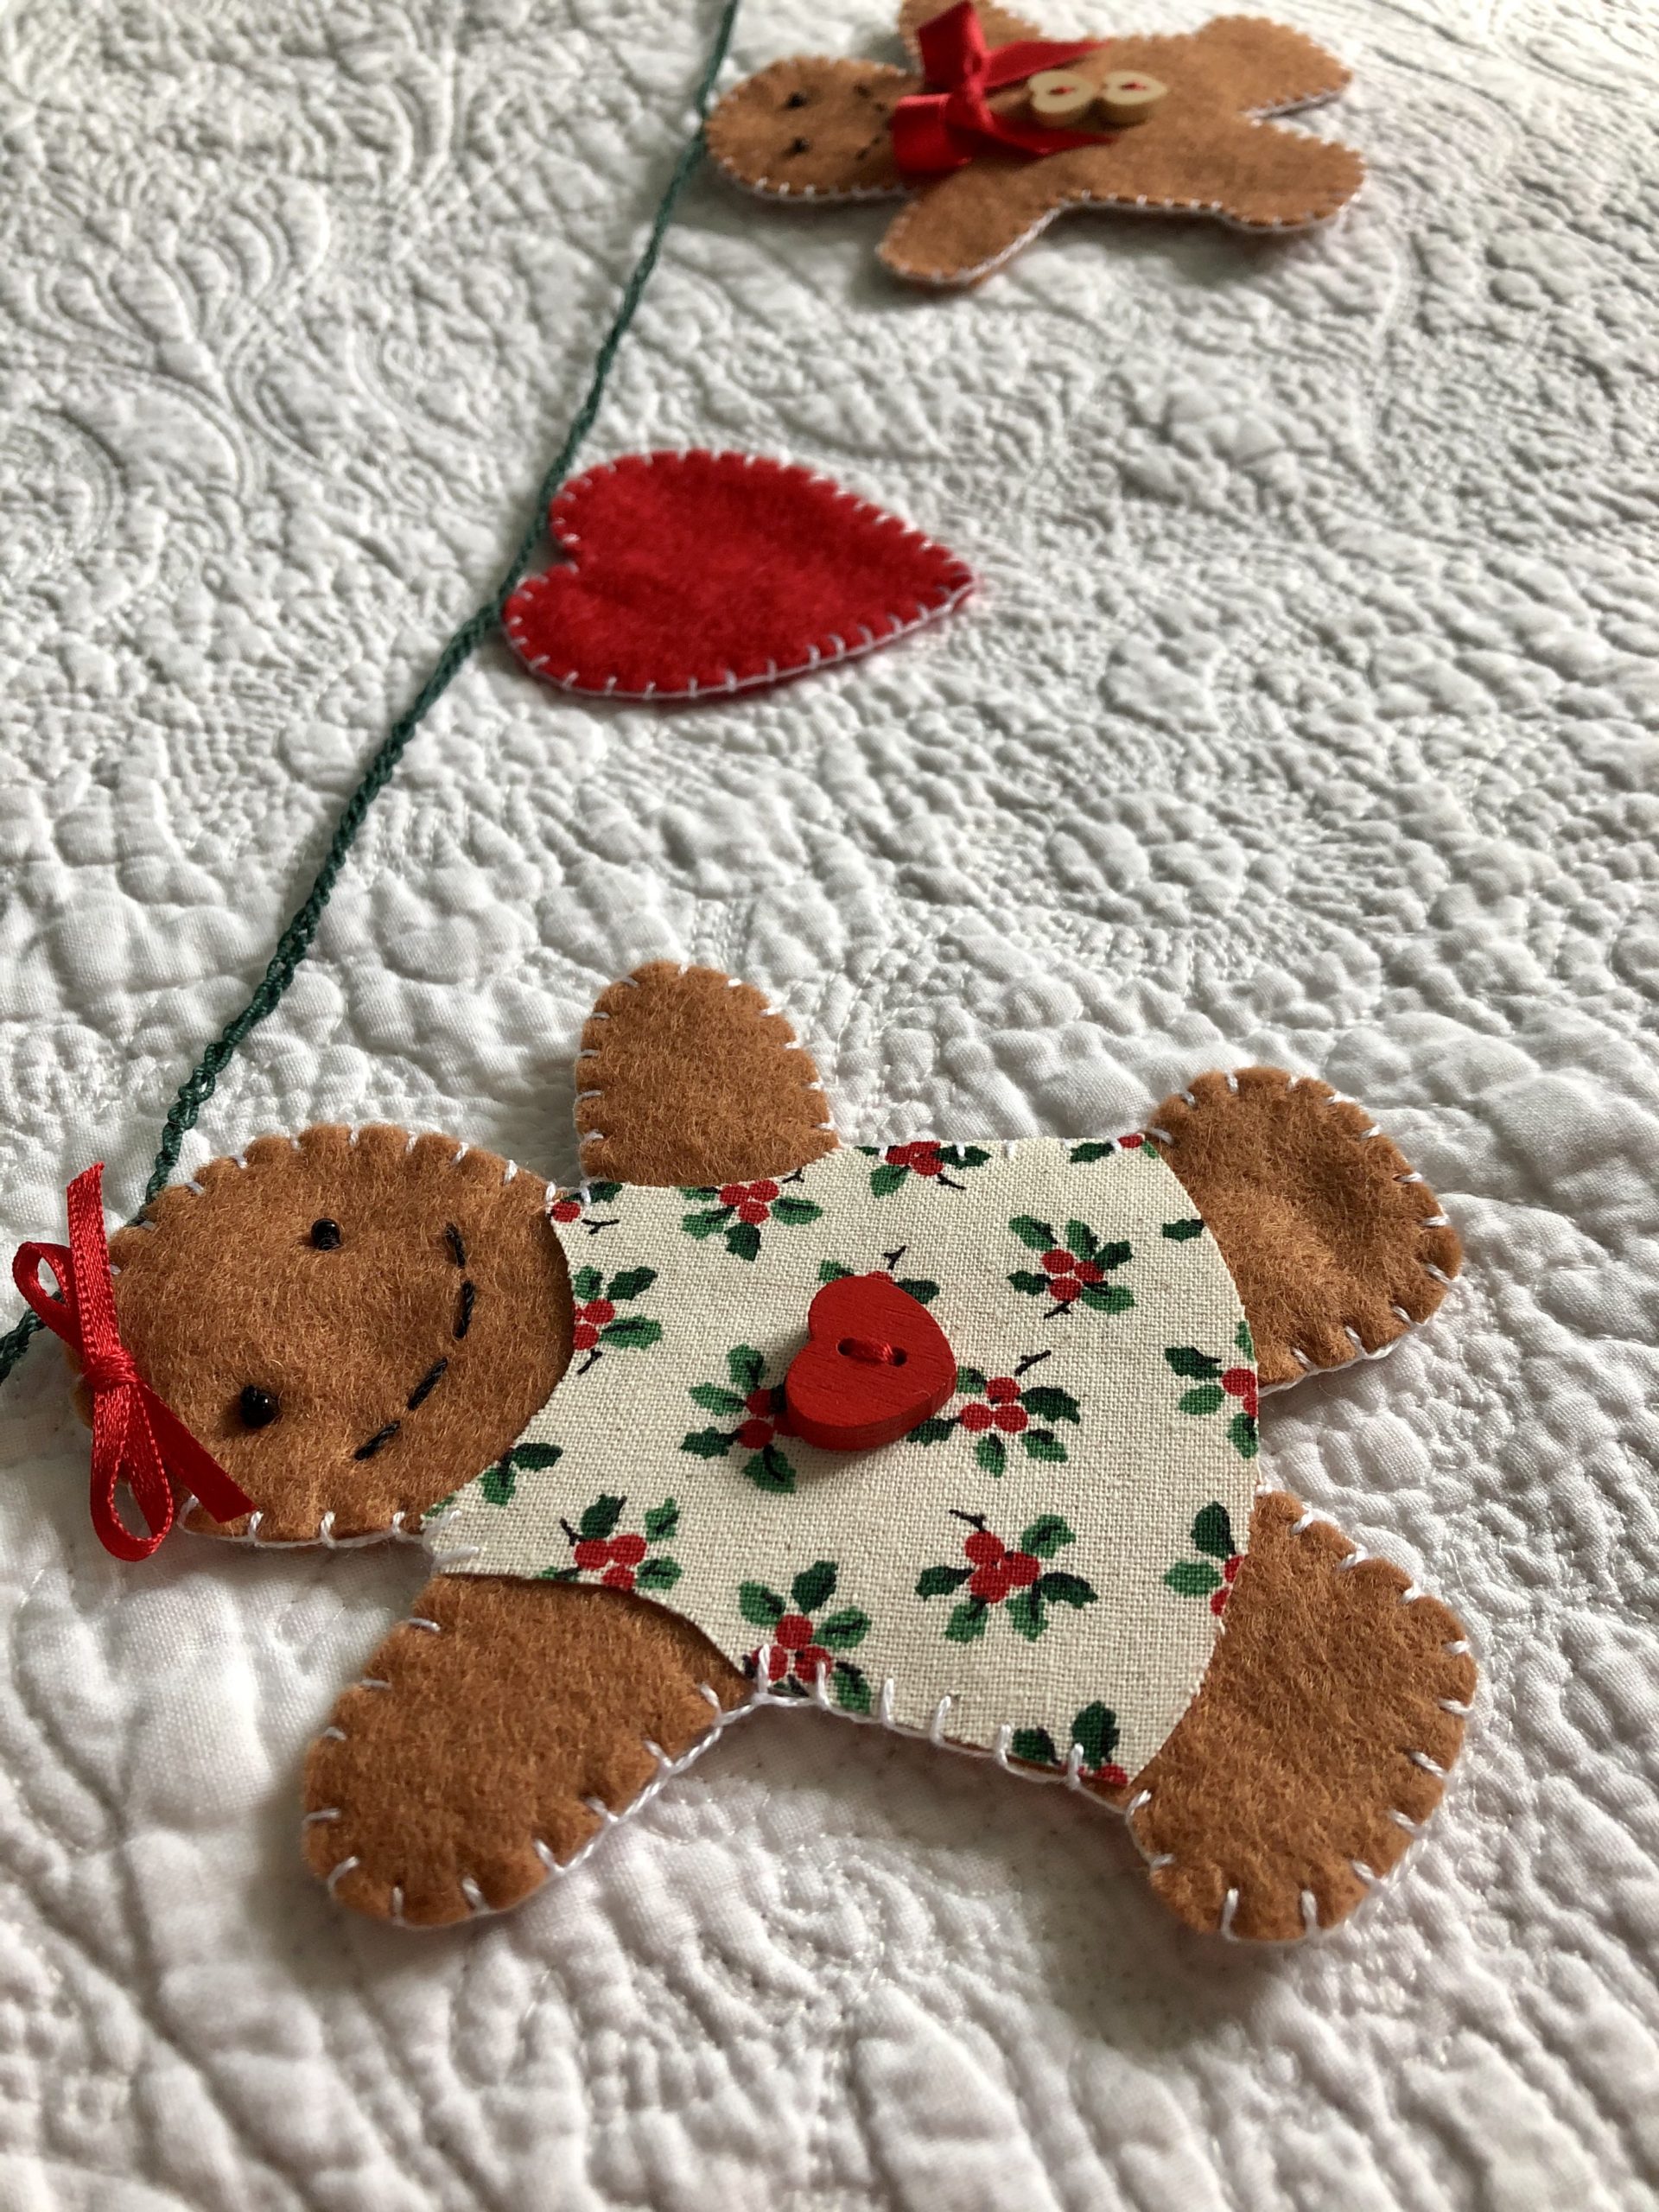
{"x":1040,"y":1568}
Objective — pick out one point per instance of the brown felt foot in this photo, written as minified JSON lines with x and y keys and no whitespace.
{"x":1336,"y":1244}
{"x":1318,"y":1742}
{"x":490,"y":1735}
{"x":686,"y":1078}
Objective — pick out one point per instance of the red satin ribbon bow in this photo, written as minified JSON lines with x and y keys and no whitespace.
{"x":134,"y":1438}
{"x":933,"y":132}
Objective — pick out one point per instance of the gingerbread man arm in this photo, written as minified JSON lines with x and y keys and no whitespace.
{"x":1337,"y":1244}
{"x":685,"y":1076}
{"x":1265,"y":67}
{"x":1319,"y":1743}
{"x":493,"y":1735}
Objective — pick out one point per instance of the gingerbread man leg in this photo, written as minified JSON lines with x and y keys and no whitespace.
{"x":1334,"y":1705}
{"x":960,"y":229}
{"x":1256,"y":175}
{"x":1317,"y":1743}
{"x":494,"y":1734}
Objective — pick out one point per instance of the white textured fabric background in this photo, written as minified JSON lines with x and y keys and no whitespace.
{"x":1306,"y":713}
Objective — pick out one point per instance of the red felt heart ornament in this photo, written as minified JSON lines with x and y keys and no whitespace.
{"x":875,"y":1362}
{"x":691,"y":573}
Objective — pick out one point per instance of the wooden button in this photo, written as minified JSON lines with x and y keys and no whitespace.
{"x":1127,"y":96}
{"x":1058,"y":95}
{"x":875,"y":1363}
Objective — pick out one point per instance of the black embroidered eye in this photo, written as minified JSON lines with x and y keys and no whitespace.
{"x":325,"y":1235}
{"x":796,"y":99}
{"x":799,"y":146}
{"x":258,"y":1407}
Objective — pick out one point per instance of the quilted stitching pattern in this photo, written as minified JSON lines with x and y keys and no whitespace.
{"x":1306,"y":717}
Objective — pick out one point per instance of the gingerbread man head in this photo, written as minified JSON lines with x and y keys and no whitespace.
{"x":994,"y":131}
{"x":1065,"y":1561}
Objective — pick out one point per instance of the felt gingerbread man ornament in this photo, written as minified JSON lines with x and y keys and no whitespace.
{"x":994,"y":131}
{"x":960,"y":1439}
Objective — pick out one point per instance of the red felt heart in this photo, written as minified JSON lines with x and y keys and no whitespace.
{"x":875,"y":1362}
{"x":698,"y":572}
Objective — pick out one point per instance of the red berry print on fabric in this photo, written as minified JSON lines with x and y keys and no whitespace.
{"x":1082,"y":1155}
{"x":585,"y":1204}
{"x":756,"y":1407}
{"x":916,"y":1287}
{"x":925,"y":1158}
{"x":498,"y":1484}
{"x":1216,"y":1386}
{"x":1009,"y":1578}
{"x":1212,"y":1533}
{"x":739,"y":1211}
{"x":802,"y":1645}
{"x":1073,"y":1267}
{"x":599,"y":1326}
{"x":620,"y":1559}
{"x":1091,"y":1745}
{"x":1003,"y":1411}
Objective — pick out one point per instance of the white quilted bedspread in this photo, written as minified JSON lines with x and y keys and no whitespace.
{"x":1307,"y":712}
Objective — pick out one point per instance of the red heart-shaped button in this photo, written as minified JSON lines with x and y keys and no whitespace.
{"x":697,"y":572}
{"x":875,"y":1362}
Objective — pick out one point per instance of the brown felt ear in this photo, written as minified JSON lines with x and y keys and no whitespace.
{"x":688,"y":1077}
{"x":354,"y":1323}
{"x":1001,"y":26}
{"x":1337,"y":1244}
{"x":808,"y":128}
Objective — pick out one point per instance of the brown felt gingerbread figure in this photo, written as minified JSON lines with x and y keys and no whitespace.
{"x":992,"y":141}
{"x":375,"y":1333}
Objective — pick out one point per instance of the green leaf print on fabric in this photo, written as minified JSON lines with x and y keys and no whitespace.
{"x":1002,"y":1412}
{"x":1008,"y":1578}
{"x":1092,"y":1743}
{"x":929,"y":1162}
{"x":498,"y":1485}
{"x":1179,"y":1231}
{"x":812,"y":1585}
{"x":916,"y":1287}
{"x":1191,"y":1578}
{"x":1214,"y":1385}
{"x":1084,"y":1155}
{"x":1074,"y":1268}
{"x":1045,"y":1535}
{"x":760,"y":1607}
{"x":756,"y":1407}
{"x":798,"y":1658}
{"x":621,"y":1558}
{"x":738,"y":1211}
{"x":600,"y":1517}
{"x":939,"y":1581}
{"x":1212,"y":1534}
{"x":598,"y":1327}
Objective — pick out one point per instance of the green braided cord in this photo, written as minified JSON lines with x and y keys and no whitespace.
{"x":295,"y":943}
